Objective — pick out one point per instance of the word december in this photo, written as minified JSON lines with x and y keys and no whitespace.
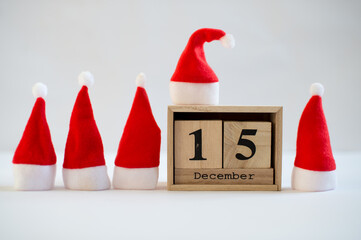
{"x":221,"y":176}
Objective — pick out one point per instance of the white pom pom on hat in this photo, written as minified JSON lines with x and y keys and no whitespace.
{"x":40,"y":90}
{"x":228,"y":41}
{"x":140,"y":80}
{"x":86,"y":79}
{"x":317,"y":89}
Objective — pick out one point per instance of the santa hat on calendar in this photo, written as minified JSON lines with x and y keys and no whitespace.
{"x":34,"y":159}
{"x":194,"y":81}
{"x":84,"y":164}
{"x":315,"y":168}
{"x":137,"y":160}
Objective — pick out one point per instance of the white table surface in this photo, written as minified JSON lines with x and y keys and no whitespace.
{"x":161,"y":214}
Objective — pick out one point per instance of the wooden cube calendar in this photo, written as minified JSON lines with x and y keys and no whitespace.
{"x":224,"y":147}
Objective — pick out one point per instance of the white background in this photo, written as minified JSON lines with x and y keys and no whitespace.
{"x":160,"y":214}
{"x":281,"y":48}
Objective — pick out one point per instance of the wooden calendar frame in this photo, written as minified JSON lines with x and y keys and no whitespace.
{"x":227,"y":113}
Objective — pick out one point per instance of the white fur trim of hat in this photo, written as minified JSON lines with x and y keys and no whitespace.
{"x":185,"y":93}
{"x":135,"y":178}
{"x":313,"y":181}
{"x":90,"y":178}
{"x":34,"y":177}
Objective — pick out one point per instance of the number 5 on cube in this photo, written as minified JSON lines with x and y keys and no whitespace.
{"x":247,"y":144}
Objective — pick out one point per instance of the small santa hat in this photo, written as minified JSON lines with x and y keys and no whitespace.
{"x":315,"y":168}
{"x":137,"y":160}
{"x":34,"y":159}
{"x":194,"y":81}
{"x":84,"y":164}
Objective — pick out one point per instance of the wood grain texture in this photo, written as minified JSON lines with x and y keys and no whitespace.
{"x":207,"y":108}
{"x":184,"y":144}
{"x":277,"y":146}
{"x":205,"y":187}
{"x":224,"y":176}
{"x":170,"y":147}
{"x":262,"y":141}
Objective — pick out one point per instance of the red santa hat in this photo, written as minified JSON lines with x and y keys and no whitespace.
{"x":84,"y":164}
{"x":34,"y":159}
{"x":194,"y":81}
{"x":137,"y":160}
{"x":315,"y":168}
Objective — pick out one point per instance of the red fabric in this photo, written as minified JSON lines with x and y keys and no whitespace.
{"x":35,"y":146}
{"x":139,"y":146}
{"x":192,"y":65}
{"x":84,"y":147}
{"x":313,"y":141}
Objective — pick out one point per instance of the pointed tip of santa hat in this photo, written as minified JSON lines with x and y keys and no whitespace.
{"x":40,"y":90}
{"x":317,"y":89}
{"x":86,"y":79}
{"x":228,"y":41}
{"x":140,"y":80}
{"x":203,"y":35}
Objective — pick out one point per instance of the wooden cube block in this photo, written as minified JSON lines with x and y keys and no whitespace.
{"x":221,"y":176}
{"x":247,"y":144}
{"x":198,"y":144}
{"x":185,"y":177}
